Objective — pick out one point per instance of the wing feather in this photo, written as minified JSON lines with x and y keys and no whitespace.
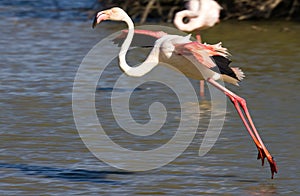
{"x":142,"y":38}
{"x":199,"y":51}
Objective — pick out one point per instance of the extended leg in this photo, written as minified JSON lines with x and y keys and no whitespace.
{"x":202,"y":88}
{"x":247,"y":120}
{"x":198,"y":37}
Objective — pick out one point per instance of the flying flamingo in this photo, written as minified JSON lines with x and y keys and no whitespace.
{"x":189,"y":57}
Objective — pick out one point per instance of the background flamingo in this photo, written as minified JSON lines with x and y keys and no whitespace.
{"x":193,"y":59}
{"x":201,"y":14}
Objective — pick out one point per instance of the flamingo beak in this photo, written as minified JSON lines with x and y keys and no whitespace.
{"x":99,"y":17}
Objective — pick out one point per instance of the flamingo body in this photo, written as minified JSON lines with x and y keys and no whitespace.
{"x":190,"y":57}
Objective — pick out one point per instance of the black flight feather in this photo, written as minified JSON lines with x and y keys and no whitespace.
{"x":223,"y":66}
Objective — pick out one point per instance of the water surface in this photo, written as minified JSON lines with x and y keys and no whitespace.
{"x":42,"y":153}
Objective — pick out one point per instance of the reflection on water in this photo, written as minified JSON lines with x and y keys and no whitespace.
{"x":79,"y":175}
{"x":41,"y":151}
{"x":262,"y":189}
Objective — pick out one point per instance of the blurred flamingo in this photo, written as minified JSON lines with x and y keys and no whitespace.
{"x":201,"y":14}
{"x":193,"y":59}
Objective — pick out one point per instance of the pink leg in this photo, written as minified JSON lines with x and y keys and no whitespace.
{"x":246,"y":118}
{"x":198,"y":37}
{"x":201,"y":88}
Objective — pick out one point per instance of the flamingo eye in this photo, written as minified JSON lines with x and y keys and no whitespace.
{"x":186,"y":20}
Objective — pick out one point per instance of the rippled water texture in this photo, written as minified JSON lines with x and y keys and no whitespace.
{"x":41,"y":152}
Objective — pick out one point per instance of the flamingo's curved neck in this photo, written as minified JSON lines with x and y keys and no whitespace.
{"x":195,"y":5}
{"x":146,"y":66}
{"x":125,"y":46}
{"x":193,"y":11}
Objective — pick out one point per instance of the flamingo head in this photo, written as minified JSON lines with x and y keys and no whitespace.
{"x":114,"y":13}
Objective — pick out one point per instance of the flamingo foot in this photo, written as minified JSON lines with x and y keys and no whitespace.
{"x":262,"y":155}
{"x":273,"y":166}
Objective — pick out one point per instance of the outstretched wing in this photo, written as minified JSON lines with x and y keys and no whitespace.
{"x":211,"y":50}
{"x":214,"y":57}
{"x":199,"y":51}
{"x":142,"y":38}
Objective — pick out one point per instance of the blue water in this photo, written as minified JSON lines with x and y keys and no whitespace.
{"x":41,"y":152}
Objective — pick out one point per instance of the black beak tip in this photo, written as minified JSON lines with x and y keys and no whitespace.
{"x":94,"y":22}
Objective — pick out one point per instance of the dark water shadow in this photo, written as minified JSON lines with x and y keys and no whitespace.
{"x":77,"y":175}
{"x":110,"y":89}
{"x":219,"y":176}
{"x":247,"y":181}
{"x":235,"y":178}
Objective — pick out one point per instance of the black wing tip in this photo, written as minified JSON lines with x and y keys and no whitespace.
{"x":223,"y":67}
